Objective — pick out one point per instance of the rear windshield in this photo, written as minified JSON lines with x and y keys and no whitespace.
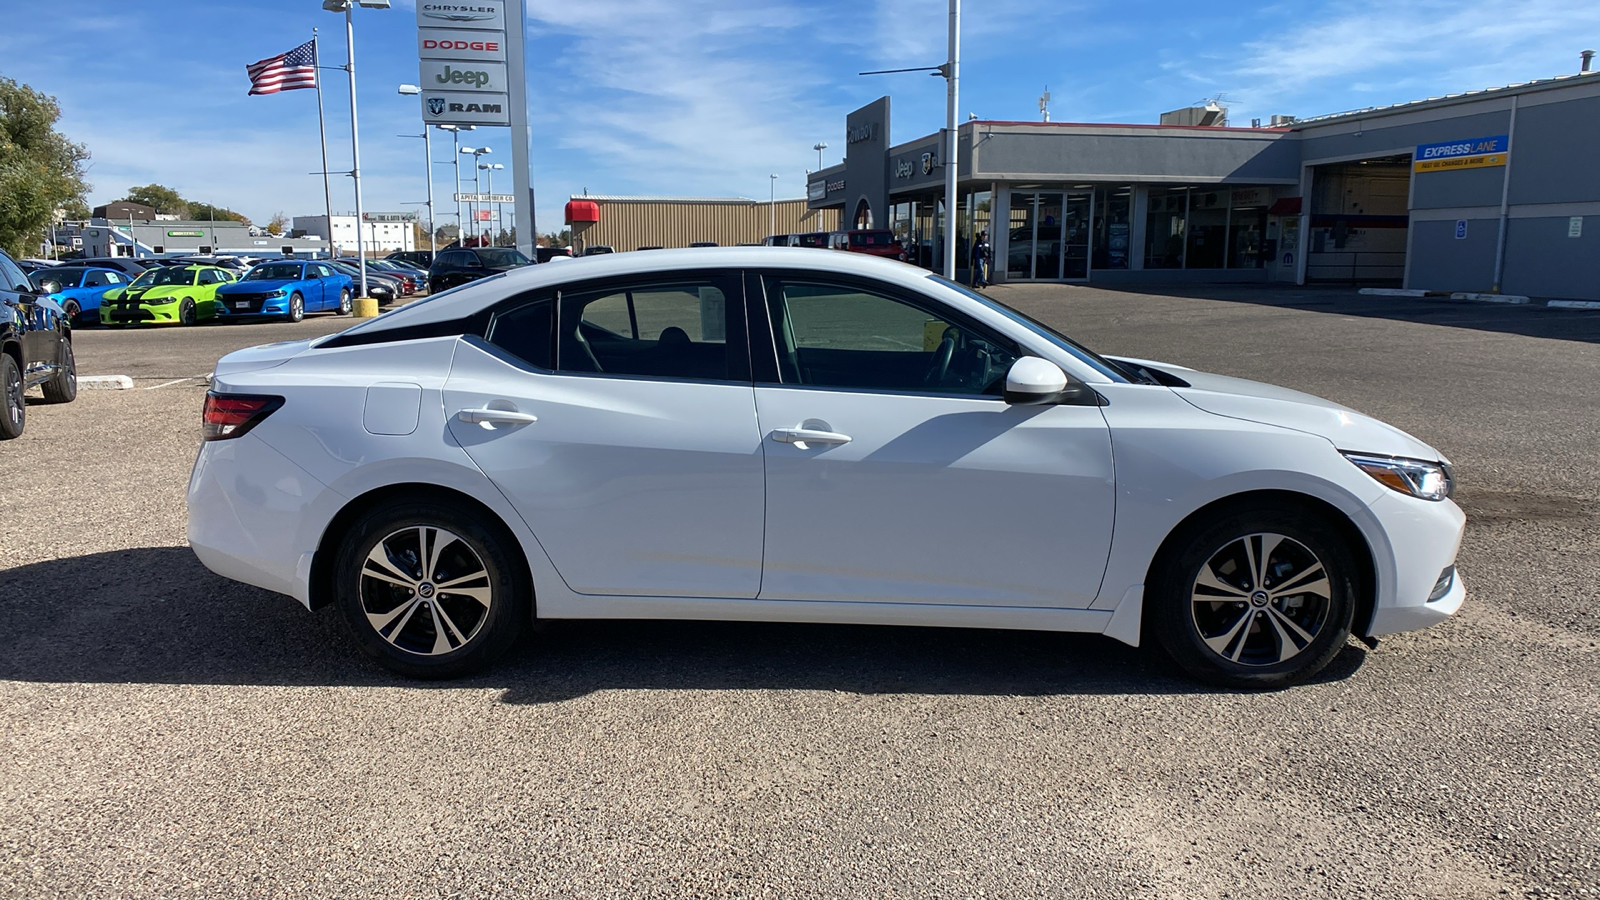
{"x":871,"y":238}
{"x":815,"y":239}
{"x":63,"y":276}
{"x":504,"y":256}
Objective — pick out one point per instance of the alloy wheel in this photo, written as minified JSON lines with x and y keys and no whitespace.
{"x":16,"y":404}
{"x":1260,"y":600}
{"x":425,"y":591}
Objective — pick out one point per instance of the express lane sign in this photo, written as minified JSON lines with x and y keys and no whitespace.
{"x":1471,"y":153}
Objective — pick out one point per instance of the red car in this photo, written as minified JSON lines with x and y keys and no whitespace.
{"x":876,"y":241}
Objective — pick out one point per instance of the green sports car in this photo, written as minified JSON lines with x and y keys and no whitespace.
{"x":181,"y":294}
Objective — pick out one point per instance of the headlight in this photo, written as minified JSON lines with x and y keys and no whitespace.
{"x":1415,"y":477}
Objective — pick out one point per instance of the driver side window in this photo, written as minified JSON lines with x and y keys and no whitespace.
{"x":849,"y":336}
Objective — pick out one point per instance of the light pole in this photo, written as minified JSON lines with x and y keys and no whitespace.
{"x":348,"y":8}
{"x":475,"y":152}
{"x":411,"y":90}
{"x":819,"y":147}
{"x":772,"y":204}
{"x":455,"y":130}
{"x":494,"y":231}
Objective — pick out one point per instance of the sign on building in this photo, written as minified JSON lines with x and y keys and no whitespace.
{"x":1471,"y":153}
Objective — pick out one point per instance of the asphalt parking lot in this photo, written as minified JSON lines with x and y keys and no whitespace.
{"x":168,"y":733}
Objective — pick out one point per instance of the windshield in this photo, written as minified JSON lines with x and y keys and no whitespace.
{"x":65,"y":277}
{"x":274,"y":272}
{"x":502,"y":257}
{"x":1102,"y":365}
{"x":167,"y":275}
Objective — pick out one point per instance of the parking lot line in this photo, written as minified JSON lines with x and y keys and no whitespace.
{"x":175,"y":381}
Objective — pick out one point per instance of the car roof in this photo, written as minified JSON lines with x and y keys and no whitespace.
{"x":475,"y":296}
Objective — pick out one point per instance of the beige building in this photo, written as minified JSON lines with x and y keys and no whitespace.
{"x":628,"y":223}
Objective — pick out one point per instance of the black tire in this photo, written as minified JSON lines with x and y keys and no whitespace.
{"x":71,"y":309}
{"x":297,"y":307}
{"x":13,"y":407}
{"x":418,"y":646}
{"x":187,"y":313}
{"x":344,"y":302}
{"x":1252,"y":628}
{"x":63,"y":386}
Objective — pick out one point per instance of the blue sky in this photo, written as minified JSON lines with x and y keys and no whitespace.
{"x":707,"y":97}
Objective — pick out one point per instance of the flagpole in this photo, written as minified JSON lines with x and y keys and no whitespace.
{"x":322,"y":128}
{"x":355,"y":143}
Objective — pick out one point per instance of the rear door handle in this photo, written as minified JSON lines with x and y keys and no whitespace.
{"x":809,"y":436}
{"x":496,"y":417}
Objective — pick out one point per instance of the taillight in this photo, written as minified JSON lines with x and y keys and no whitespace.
{"x":230,"y":415}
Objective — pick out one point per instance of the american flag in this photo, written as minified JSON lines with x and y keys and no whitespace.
{"x":290,"y":71}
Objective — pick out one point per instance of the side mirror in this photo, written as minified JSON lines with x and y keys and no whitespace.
{"x":1035,"y":382}
{"x":49,"y":286}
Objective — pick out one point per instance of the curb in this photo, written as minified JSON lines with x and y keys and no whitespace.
{"x":1402,"y":292}
{"x":1489,"y":298}
{"x":105,"y":382}
{"x":1574,"y":304}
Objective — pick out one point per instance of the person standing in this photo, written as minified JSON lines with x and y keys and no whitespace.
{"x":980,"y":260}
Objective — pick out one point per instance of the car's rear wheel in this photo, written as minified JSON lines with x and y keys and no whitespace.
{"x":297,"y":308}
{"x":13,"y":407}
{"x":1261,"y":598}
{"x":430,"y":590}
{"x":344,"y":303}
{"x":187,"y":314}
{"x":63,"y":386}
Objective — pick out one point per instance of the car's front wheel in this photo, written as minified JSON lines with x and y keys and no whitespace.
{"x":430,"y":590}
{"x":1261,"y":598}
{"x":297,"y":308}
{"x":13,"y":406}
{"x":72,"y":310}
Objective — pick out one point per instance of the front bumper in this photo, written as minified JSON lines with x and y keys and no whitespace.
{"x":251,"y":309}
{"x":141,"y":314}
{"x":1424,"y":537}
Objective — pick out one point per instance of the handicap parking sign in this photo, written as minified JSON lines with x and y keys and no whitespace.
{"x":1461,"y":229}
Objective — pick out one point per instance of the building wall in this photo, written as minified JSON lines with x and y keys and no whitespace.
{"x":627,"y":224}
{"x":1036,"y":152}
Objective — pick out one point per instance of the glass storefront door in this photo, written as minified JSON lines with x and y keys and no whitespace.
{"x":1049,"y":236}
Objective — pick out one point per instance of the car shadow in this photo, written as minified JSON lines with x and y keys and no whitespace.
{"x":155,"y":615}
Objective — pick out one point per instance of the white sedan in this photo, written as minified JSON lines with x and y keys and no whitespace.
{"x":770,"y":435}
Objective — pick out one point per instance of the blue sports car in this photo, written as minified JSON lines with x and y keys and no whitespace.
{"x":79,"y":289}
{"x":285,"y":288}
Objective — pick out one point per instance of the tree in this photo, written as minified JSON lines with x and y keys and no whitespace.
{"x":205,"y":212}
{"x":75,"y":210}
{"x":277,"y":224}
{"x":40,"y":170}
{"x":160,"y":198}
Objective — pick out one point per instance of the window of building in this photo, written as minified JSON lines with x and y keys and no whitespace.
{"x":1166,"y":218}
{"x":1113,"y":208}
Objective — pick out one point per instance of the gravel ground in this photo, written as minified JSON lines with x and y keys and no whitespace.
{"x":171,"y":734}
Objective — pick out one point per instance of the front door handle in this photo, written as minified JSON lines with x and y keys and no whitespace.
{"x":803,"y":436}
{"x":496,"y":417}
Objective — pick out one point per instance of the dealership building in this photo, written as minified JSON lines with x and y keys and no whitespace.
{"x":1481,"y":191}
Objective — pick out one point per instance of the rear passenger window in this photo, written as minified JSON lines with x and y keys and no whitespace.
{"x":524,"y":332}
{"x":663,"y":330}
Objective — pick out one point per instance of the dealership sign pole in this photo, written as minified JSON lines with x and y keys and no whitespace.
{"x":473,"y":72}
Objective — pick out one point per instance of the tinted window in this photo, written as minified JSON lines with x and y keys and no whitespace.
{"x":274,"y":272}
{"x":11,"y":277}
{"x":668,"y":330}
{"x":96,"y":279}
{"x":114,"y":278}
{"x":323,"y":271}
{"x":871,"y":238}
{"x":849,"y":336}
{"x":523,"y":330}
{"x":67,"y":278}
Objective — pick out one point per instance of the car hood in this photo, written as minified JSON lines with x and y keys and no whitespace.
{"x":1253,"y":401}
{"x":161,"y":293}
{"x":259,"y":286}
{"x":264,"y":356}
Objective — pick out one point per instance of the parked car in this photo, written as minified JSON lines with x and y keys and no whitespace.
{"x":854,"y":441}
{"x":702,"y":243}
{"x":810,"y":239}
{"x":778,"y":240}
{"x":79,"y":289}
{"x":35,"y":348}
{"x":29,"y":266}
{"x":598,"y":250}
{"x":382,"y":287}
{"x":455,"y":267}
{"x":285,"y":288}
{"x":182,"y":295}
{"x":125,"y":264}
{"x":872,"y":241}
{"x":545,"y":254}
{"x":422,"y":259}
{"x":409,"y":279}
